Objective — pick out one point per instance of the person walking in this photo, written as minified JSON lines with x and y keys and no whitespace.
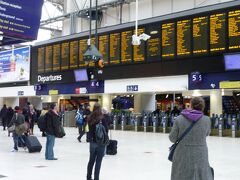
{"x":9,"y":116}
{"x":86,"y":113}
{"x":96,"y":150}
{"x":53,"y":121}
{"x":18,"y":120}
{"x":80,"y":125}
{"x":190,"y":160}
{"x":3,"y":115}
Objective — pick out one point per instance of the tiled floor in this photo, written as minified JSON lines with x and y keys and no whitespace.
{"x":141,"y":156}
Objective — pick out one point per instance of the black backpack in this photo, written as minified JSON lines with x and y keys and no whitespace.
{"x":101,"y":135}
{"x":42,"y":123}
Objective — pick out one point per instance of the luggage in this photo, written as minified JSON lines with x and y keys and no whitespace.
{"x":33,"y":144}
{"x":112,"y":147}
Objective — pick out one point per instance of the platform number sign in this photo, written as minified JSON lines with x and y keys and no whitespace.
{"x":196,"y":77}
{"x":95,"y":84}
{"x":132,"y":88}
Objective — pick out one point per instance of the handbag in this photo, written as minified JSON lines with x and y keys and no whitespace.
{"x":11,"y":128}
{"x":173,"y":147}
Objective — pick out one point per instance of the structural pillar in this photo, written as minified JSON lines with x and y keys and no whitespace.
{"x":144,"y":102}
{"x":215,"y":102}
{"x":107,"y":101}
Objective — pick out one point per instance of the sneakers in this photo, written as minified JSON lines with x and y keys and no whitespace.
{"x":14,"y":150}
{"x":52,"y":159}
{"x":79,"y":139}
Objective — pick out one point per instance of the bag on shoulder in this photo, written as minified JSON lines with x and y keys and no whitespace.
{"x":101,"y":135}
{"x":79,"y":119}
{"x":20,"y":129}
{"x":11,"y":128}
{"x":61,"y":132}
{"x":42,"y":123}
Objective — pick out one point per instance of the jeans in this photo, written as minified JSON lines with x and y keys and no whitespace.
{"x":96,"y":156}
{"x":49,"y":155}
{"x":81,"y":130}
{"x":17,"y":138}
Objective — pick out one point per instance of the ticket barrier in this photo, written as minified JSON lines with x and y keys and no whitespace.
{"x":220,"y":131}
{"x":233,"y":127}
{"x":155,"y":124}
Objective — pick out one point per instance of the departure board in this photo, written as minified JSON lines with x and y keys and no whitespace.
{"x":114,"y":56}
{"x":154,"y":43}
{"x":200,"y":35}
{"x":184,"y":37}
{"x":73,"y":54}
{"x":104,"y":47}
{"x":168,"y":40}
{"x":56,"y":57}
{"x":126,"y":46}
{"x":234,"y":29}
{"x":82,"y":49}
{"x":48,"y":59}
{"x":139,"y":51}
{"x":41,"y":52}
{"x":65,"y":56}
{"x":218,"y":32}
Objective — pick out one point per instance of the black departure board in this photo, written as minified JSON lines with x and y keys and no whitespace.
{"x":184,"y":35}
{"x":168,"y":40}
{"x":82,"y":49}
{"x":114,"y":56}
{"x":154,"y":43}
{"x":234,"y":30}
{"x":41,"y":52}
{"x":139,"y":50}
{"x":218,"y":32}
{"x":200,"y":35}
{"x":104,"y":47}
{"x":56,"y":57}
{"x":48,"y":59}
{"x":73,"y":54}
{"x":65,"y":56}
{"x":126,"y":46}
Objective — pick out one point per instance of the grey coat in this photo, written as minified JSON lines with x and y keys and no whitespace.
{"x":190,"y":160}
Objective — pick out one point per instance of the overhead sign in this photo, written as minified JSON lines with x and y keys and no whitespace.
{"x":229,"y":85}
{"x":20,"y":18}
{"x":15,"y":65}
{"x":81,"y":90}
{"x":132,"y":88}
{"x":53,"y":92}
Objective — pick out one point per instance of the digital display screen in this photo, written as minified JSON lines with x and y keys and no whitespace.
{"x":49,"y":59}
{"x":234,"y":30}
{"x":73,"y":54}
{"x":200,"y":35}
{"x":139,"y":51}
{"x":232,"y":61}
{"x":184,"y":37}
{"x":20,"y":18}
{"x":168,"y":40}
{"x":154,"y":43}
{"x":104,"y":48}
{"x":114,"y":48}
{"x":81,"y":75}
{"x":41,"y":55}
{"x":56,"y":57}
{"x":15,"y":65}
{"x":217,"y":32}
{"x":65,"y":56}
{"x":82,"y":49}
{"x":126,"y":48}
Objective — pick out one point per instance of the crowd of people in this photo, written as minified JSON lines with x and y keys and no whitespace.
{"x":190,"y":159}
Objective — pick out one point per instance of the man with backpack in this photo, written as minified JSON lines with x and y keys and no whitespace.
{"x":80,"y":121}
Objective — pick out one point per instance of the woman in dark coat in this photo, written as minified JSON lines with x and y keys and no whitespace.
{"x":190,"y":160}
{"x":9,"y":116}
{"x":96,"y":150}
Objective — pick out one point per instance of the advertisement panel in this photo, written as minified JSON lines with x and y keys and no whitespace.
{"x":20,"y":18}
{"x":15,"y":65}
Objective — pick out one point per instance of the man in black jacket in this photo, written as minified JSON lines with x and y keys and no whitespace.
{"x":53,"y":121}
{"x":3,"y":115}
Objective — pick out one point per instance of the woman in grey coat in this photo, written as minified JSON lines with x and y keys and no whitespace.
{"x":190,"y":160}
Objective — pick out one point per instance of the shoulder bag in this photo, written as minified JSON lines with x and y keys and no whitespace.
{"x":173,"y":147}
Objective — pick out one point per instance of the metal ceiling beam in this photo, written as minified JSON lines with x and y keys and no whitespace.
{"x":81,"y":13}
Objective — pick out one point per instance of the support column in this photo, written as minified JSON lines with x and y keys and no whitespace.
{"x":144,"y":102}
{"x":12,"y":102}
{"x":107,"y":101}
{"x":93,"y":102}
{"x":215,"y":102}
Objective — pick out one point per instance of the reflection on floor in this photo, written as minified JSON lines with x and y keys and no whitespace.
{"x":141,"y":156}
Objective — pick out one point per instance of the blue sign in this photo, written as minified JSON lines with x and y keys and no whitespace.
{"x":20,"y":18}
{"x":132,"y":88}
{"x":15,"y":65}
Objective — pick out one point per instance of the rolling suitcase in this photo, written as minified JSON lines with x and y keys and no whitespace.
{"x":33,"y":144}
{"x":112,"y":147}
